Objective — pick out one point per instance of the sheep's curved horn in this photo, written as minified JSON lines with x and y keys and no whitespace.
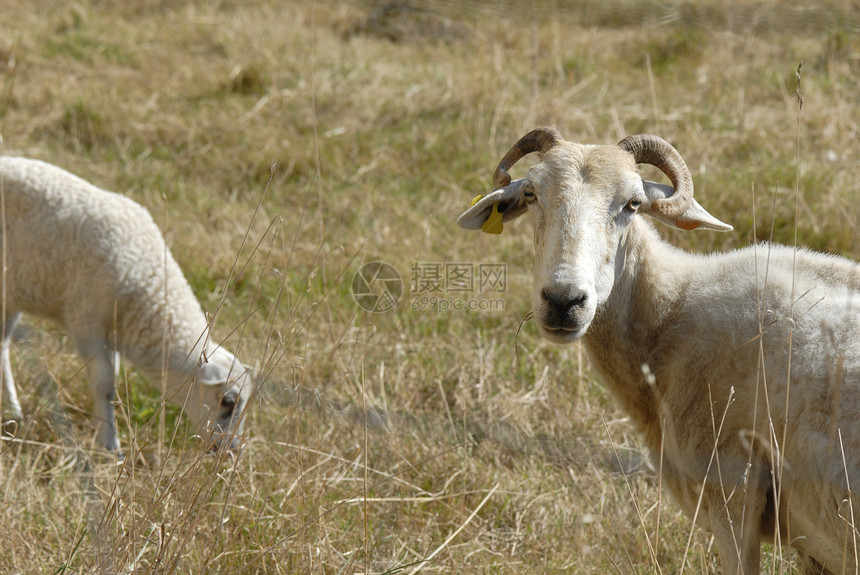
{"x":654,"y":150}
{"x":538,"y":140}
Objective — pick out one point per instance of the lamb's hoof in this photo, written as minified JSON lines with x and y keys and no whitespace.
{"x":9,"y":427}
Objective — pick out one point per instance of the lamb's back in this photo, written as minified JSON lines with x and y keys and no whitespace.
{"x":85,"y":257}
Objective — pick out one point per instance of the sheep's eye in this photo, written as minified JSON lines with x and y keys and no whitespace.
{"x":634,"y":204}
{"x":529,"y":194}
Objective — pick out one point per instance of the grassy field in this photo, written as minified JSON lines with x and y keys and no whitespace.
{"x":281,"y":146}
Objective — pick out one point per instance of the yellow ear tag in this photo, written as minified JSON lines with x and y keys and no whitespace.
{"x":493,"y":225}
{"x":476,"y":199}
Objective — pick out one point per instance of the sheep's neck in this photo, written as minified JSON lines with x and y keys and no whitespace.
{"x":624,"y":339}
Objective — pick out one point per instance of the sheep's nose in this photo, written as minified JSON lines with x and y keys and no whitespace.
{"x":561,"y":302}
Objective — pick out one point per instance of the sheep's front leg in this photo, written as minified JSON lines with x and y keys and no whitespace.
{"x":739,"y":556}
{"x":10,"y":394}
{"x":737,"y":523}
{"x":101,"y":372}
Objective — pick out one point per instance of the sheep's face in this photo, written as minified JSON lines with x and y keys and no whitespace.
{"x":223,"y":388}
{"x":583,"y":200}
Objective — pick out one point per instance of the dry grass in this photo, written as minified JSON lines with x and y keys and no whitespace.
{"x":382,"y":122}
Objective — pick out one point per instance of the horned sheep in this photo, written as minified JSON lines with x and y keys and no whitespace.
{"x":96,"y":263}
{"x":740,"y":369}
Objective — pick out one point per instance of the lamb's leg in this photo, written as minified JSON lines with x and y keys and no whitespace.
{"x":10,"y":394}
{"x":101,"y":373}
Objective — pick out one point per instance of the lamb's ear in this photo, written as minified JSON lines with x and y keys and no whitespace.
{"x":488,"y":213}
{"x":695,"y":218}
{"x":212,"y":374}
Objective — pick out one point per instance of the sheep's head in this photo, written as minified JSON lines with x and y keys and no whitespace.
{"x":583,"y":199}
{"x":224,"y":387}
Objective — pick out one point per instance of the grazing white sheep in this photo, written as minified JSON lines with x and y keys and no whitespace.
{"x":742,"y":369}
{"x":96,"y":263}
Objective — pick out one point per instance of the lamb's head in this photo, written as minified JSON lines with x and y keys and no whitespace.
{"x":217,"y":405}
{"x":583,"y":199}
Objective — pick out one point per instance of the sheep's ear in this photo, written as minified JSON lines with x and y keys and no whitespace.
{"x":487,"y":213}
{"x":695,"y":218}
